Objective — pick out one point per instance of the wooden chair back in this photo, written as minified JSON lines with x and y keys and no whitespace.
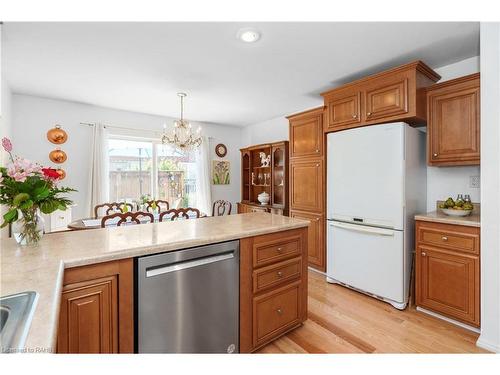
{"x":127,"y":217}
{"x":221,"y":208}
{"x":179,"y":213}
{"x":111,"y":207}
{"x":159,"y":204}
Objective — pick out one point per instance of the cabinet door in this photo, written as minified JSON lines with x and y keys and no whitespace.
{"x":448,"y":283}
{"x":306,"y":136}
{"x":385,"y":98}
{"x":88,"y":320}
{"x":343,"y":110}
{"x":453,"y":127}
{"x":316,"y":253}
{"x":306,"y":185}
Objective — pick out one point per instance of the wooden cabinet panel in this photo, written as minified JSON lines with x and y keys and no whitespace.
{"x":275,"y":312}
{"x":306,"y":185}
{"x":344,"y":109}
{"x":306,"y":134}
{"x":386,"y":98}
{"x":316,"y":250}
{"x":450,"y":237}
{"x":448,"y":283}
{"x":97,"y":309}
{"x":276,"y":248}
{"x":88,"y":317}
{"x":276,"y":274}
{"x":454,"y":122}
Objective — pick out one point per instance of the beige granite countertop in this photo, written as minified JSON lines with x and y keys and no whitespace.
{"x":473,"y":220}
{"x":41,"y":268}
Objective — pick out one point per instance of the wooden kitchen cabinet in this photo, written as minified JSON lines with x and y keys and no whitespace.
{"x":273,"y":286}
{"x":316,"y":248}
{"x":396,"y":94}
{"x":96,"y":313}
{"x":453,"y":111}
{"x":307,"y":185}
{"x":447,"y":270}
{"x":307,"y":170}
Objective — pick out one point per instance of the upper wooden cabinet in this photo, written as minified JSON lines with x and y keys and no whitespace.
{"x":97,"y":310}
{"x":394,"y":95}
{"x":306,"y":133}
{"x":453,"y":111}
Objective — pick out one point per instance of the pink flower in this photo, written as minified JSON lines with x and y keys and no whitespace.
{"x":7,"y":144}
{"x":20,"y":169}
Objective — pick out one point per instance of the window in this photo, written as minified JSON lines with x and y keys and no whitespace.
{"x":140,"y":168}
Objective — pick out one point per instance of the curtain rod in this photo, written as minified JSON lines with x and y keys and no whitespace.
{"x":125,"y":128}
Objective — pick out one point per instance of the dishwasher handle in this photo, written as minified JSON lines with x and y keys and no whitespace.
{"x":156,"y":271}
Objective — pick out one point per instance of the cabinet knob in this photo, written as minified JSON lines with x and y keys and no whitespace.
{"x":279,"y":311}
{"x":424,"y":254}
{"x":354,"y":116}
{"x":317,"y":165}
{"x":369,"y":114}
{"x":317,"y":219}
{"x":280,"y":274}
{"x":317,"y":150}
{"x":435,"y":155}
{"x":444,"y":238}
{"x":280,"y":249}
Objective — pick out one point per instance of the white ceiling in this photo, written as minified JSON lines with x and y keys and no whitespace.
{"x":140,"y":66}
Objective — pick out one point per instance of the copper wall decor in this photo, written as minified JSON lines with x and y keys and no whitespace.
{"x":62,"y":173}
{"x":57,"y":135}
{"x":58,"y":156}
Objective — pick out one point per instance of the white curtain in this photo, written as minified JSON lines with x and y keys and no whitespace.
{"x":98,"y":190}
{"x":203,"y":193}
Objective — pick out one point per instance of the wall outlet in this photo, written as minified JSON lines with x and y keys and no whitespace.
{"x":474,"y":182}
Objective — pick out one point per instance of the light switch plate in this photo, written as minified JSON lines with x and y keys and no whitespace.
{"x":474,"y":182}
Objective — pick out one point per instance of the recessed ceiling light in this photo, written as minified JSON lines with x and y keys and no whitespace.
{"x":248,"y":35}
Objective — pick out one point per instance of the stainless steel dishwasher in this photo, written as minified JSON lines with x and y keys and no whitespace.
{"x":188,"y":300}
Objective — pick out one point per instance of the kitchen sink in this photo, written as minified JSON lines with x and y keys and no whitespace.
{"x":16,"y":313}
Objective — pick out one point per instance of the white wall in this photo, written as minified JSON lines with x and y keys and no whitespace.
{"x":443,"y":182}
{"x":5,"y":121}
{"x":33,"y":116}
{"x":490,"y":187}
{"x":273,"y":130}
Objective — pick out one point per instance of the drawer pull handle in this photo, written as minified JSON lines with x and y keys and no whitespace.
{"x":424,"y":254}
{"x":61,"y":217}
{"x":444,"y":238}
{"x":279,"y":311}
{"x":280,"y":274}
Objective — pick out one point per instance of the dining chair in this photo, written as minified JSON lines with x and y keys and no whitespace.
{"x":179,"y":213}
{"x":120,"y":218}
{"x":221,"y":208}
{"x":159,"y":203}
{"x":111,"y":207}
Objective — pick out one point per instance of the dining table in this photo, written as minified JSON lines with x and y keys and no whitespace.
{"x":95,"y":223}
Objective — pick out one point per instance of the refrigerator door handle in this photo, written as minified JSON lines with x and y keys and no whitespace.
{"x":361,"y":228}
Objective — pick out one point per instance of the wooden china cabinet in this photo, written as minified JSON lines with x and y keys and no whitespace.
{"x":257,"y":178}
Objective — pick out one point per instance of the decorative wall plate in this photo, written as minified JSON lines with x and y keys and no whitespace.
{"x":57,"y":135}
{"x":62,"y":173}
{"x":57,"y":156}
{"x":221,"y":150}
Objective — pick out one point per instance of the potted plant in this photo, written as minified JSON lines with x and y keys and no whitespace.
{"x":27,"y":188}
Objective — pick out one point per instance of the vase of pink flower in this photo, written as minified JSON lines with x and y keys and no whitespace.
{"x":27,"y":189}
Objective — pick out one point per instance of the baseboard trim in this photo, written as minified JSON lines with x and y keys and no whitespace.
{"x":452,"y":321}
{"x":495,"y":348}
{"x":317,"y":271}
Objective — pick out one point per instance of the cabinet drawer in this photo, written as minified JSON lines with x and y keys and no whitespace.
{"x":276,"y":312}
{"x":276,"y":274}
{"x":276,"y":250}
{"x":451,"y":237}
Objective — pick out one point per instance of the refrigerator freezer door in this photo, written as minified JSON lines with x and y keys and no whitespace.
{"x":366,"y":175}
{"x":367,"y":258}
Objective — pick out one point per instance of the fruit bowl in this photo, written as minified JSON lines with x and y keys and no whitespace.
{"x":455,"y":212}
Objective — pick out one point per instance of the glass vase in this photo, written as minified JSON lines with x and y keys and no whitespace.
{"x":29,"y":227}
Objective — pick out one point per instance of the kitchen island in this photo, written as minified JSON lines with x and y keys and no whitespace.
{"x":42,"y":268}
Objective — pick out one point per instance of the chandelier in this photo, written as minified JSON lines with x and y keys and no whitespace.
{"x":182,"y":135}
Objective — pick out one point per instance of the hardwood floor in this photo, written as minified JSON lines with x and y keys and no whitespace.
{"x":341,"y":320}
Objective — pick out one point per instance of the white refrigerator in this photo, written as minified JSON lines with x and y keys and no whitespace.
{"x":376,"y":183}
